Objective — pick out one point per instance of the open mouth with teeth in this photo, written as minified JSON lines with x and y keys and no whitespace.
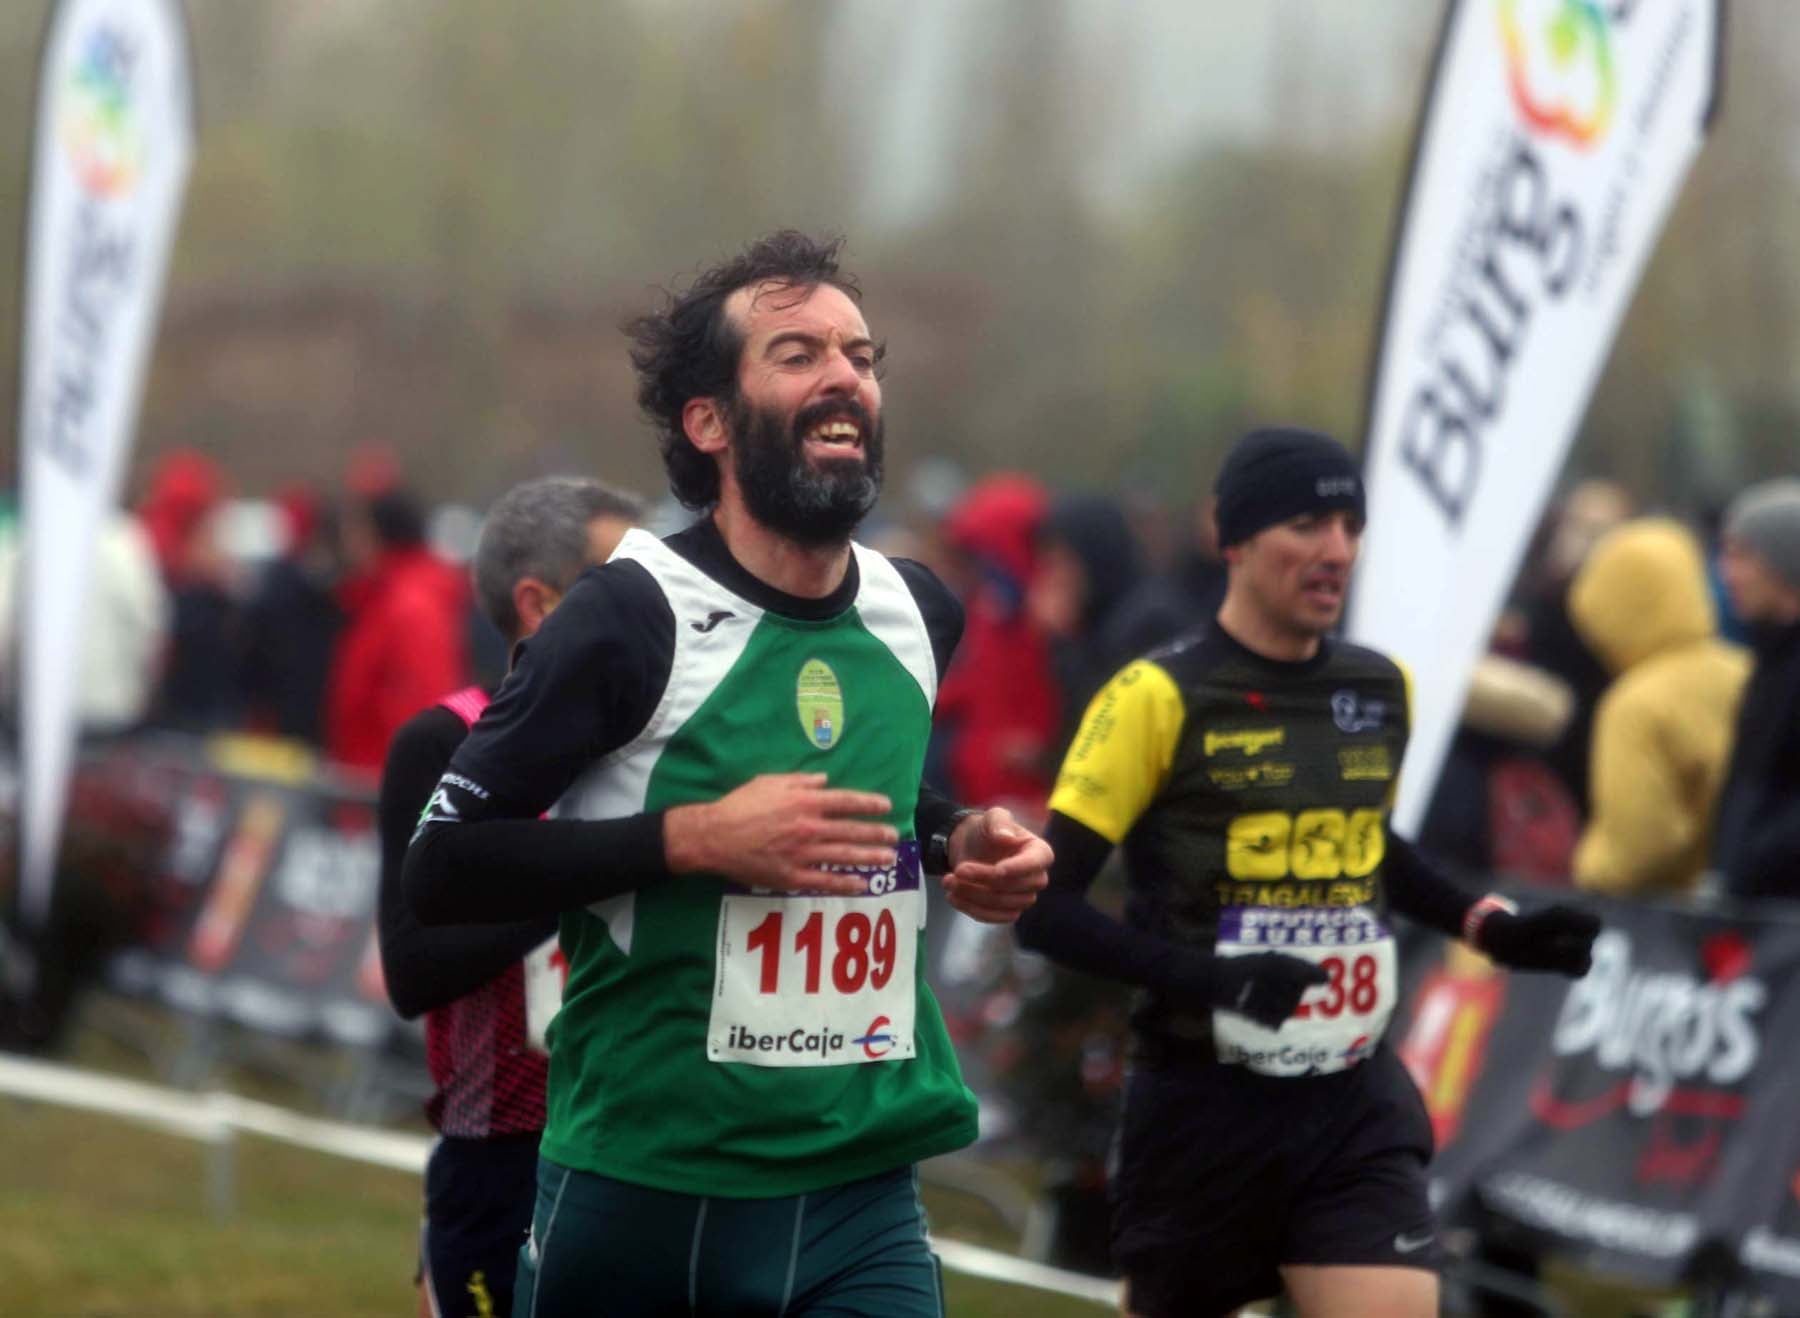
{"x":840,"y":435}
{"x":1326,"y":591}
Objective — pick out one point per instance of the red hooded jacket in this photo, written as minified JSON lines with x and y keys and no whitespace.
{"x":999,"y":701}
{"x":402,"y":648}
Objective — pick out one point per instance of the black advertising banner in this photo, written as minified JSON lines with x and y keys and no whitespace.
{"x":260,"y":907}
{"x":1633,"y":1117}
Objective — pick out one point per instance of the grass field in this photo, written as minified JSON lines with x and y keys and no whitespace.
{"x":101,"y":1219}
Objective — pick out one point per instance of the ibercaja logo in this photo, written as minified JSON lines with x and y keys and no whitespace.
{"x":1667,"y":1046}
{"x":98,"y":124}
{"x":1559,"y":67}
{"x":877,"y":1041}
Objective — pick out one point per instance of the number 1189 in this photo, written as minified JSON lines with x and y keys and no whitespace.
{"x":864,"y":950}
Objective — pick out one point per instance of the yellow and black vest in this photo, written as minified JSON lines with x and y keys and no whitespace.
{"x":1245,"y":792}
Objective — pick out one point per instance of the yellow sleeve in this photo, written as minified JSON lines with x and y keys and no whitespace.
{"x":1406,"y":684}
{"x":1121,"y":756}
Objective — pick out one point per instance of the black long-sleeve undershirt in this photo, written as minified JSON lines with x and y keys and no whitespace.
{"x":428,"y":968}
{"x":518,"y":869}
{"x":1070,"y":930}
{"x":582,"y":687}
{"x":513,"y":869}
{"x":1422,"y":892}
{"x":1064,"y":926}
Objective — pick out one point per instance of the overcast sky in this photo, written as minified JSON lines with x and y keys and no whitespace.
{"x":1178,"y":74}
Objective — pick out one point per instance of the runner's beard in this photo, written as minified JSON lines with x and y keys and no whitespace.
{"x":811,"y":503}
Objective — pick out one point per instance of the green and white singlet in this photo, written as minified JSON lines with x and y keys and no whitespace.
{"x":715,"y":1040}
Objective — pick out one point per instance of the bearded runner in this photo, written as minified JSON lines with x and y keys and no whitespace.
{"x":732,"y":725}
{"x":717,"y":1038}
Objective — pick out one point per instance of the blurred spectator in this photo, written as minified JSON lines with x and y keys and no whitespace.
{"x":1166,"y":605}
{"x":199,"y":689}
{"x":125,"y":625}
{"x":402,"y":645}
{"x":373,"y":470}
{"x":1550,"y":639}
{"x":1088,"y":562}
{"x":1663,"y":727}
{"x":291,"y":623}
{"x":94,"y":901}
{"x":998,"y":705}
{"x":183,"y":488}
{"x":1757,"y":848}
{"x":1732,"y":627}
{"x":1498,"y":807}
{"x":993,"y":729}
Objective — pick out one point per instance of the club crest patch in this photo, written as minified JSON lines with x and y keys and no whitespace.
{"x":819,"y":701}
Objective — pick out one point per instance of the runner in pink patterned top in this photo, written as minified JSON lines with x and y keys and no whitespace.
{"x":486,"y":991}
{"x":489,"y":1076}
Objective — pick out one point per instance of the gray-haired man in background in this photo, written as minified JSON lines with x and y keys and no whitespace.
{"x":1756,"y":842}
{"x":478,"y":985}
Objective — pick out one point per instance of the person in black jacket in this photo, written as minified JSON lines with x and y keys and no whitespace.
{"x":1089,"y":561}
{"x":291,"y":623}
{"x":1756,"y":842}
{"x":483,"y":988}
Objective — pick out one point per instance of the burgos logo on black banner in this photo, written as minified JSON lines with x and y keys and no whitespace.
{"x":1669,"y":1031}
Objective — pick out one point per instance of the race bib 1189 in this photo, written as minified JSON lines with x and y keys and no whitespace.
{"x":807,"y":980}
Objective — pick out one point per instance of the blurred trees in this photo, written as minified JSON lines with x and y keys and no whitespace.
{"x":1701,"y":393}
{"x":420,"y":221}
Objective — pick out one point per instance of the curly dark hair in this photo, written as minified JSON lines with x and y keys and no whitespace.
{"x":690,"y":348}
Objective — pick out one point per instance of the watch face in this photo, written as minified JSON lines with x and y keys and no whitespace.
{"x":937,"y":850}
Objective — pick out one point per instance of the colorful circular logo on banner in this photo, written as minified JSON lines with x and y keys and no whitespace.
{"x":819,"y":700}
{"x":1559,"y":67}
{"x":100,"y":131}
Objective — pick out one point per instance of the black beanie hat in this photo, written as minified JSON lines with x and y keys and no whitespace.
{"x":1280,"y":472}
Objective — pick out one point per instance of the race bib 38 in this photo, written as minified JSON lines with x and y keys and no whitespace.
{"x":1338,"y":1023}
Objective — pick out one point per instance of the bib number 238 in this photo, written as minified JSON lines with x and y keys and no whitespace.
{"x":818,"y":981}
{"x":1336,"y":1024}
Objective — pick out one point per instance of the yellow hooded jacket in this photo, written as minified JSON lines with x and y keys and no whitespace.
{"x":1663,"y":728}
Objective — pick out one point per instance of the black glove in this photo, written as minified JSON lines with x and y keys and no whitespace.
{"x":1559,"y":938}
{"x":1265,"y":986}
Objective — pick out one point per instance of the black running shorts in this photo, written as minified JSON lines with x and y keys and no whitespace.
{"x":478,"y":1198}
{"x":1222,"y":1176}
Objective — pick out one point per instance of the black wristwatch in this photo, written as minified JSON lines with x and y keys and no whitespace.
{"x":937,"y":847}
